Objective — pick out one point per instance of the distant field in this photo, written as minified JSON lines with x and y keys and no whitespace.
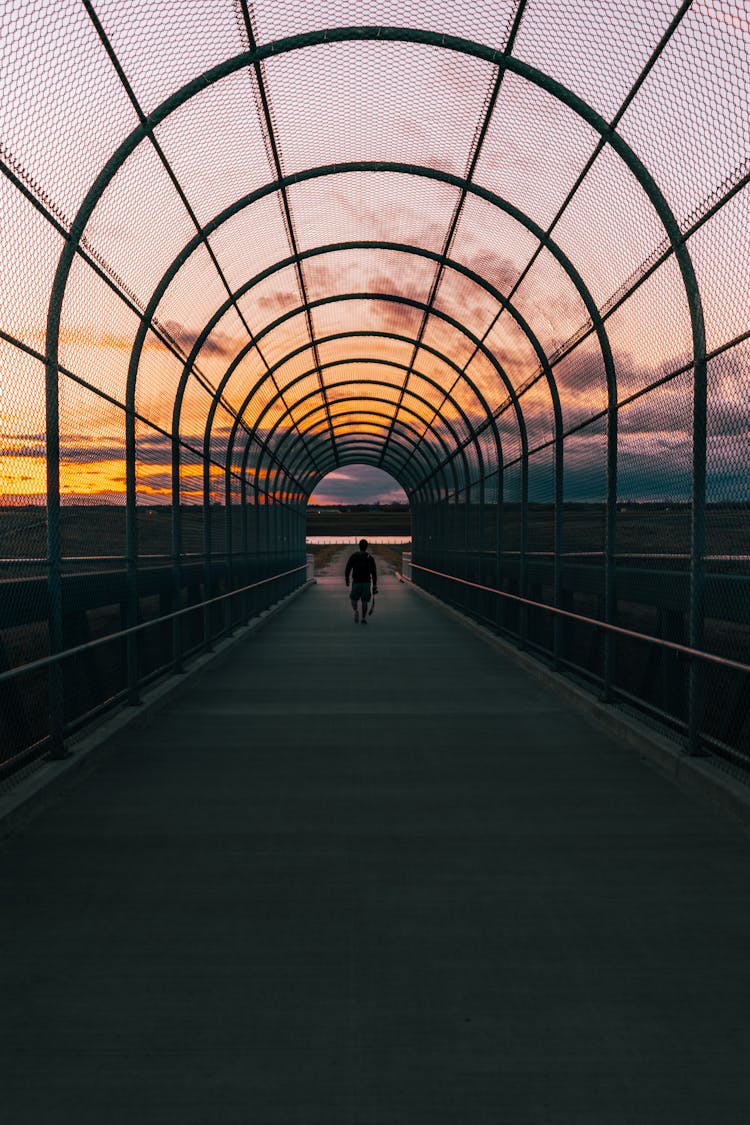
{"x":349,"y":524}
{"x":100,"y":529}
{"x":649,"y":530}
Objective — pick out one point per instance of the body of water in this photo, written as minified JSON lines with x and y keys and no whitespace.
{"x":321,"y":540}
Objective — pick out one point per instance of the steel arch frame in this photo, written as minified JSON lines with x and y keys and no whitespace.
{"x":504,"y":62}
{"x":546,"y":368}
{"x":353,"y":361}
{"x":546,"y":371}
{"x":544,"y":241}
{"x":301,"y":349}
{"x":333,"y":248}
{"x":429,"y":460}
{"x":429,"y":173}
{"x":332,"y":386}
{"x":388,"y":298}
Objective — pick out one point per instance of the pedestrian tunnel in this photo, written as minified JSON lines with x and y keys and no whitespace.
{"x":474,"y":246}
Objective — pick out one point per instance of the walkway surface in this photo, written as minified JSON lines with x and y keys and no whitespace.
{"x":374,"y":875}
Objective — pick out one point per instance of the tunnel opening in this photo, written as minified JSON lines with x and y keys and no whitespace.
{"x":358,"y":501}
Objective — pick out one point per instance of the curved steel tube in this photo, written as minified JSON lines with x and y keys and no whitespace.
{"x":503,"y":62}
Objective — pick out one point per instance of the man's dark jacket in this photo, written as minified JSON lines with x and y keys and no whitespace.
{"x":361,"y":566}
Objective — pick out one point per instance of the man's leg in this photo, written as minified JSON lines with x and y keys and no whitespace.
{"x":364,"y":611}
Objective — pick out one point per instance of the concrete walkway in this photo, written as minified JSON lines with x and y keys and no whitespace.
{"x":374,"y":876}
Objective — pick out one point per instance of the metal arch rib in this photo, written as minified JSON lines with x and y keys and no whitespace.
{"x":265,"y":445}
{"x":268,"y":124}
{"x":229,"y":66}
{"x":544,"y":364}
{"x":463,"y":46}
{"x":352,"y":361}
{"x":366,"y":442}
{"x":406,"y":430}
{"x":419,"y":305}
{"x":353,"y":382}
{"x":360,"y":450}
{"x":538,"y":232}
{"x":413,"y":170}
{"x":545,"y":372}
{"x":610,"y":135}
{"x":284,"y":438}
{"x":487,"y":112}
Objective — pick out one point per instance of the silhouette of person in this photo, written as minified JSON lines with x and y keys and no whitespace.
{"x":361,"y":567}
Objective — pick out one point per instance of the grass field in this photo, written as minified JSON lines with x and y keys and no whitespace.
{"x":94,"y":530}
{"x":646,"y":529}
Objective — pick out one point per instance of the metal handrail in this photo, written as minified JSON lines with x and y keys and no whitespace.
{"x":56,"y":657}
{"x":43,"y":560}
{"x":711,"y":658}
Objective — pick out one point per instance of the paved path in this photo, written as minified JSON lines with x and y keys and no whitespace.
{"x":374,"y":875}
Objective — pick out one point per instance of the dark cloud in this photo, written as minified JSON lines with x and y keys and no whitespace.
{"x":728,"y":419}
{"x":154,"y":443}
{"x":278,"y":301}
{"x":484,"y":260}
{"x":358,"y":484}
{"x":185,"y":337}
{"x":36,"y":448}
{"x":37,"y":436}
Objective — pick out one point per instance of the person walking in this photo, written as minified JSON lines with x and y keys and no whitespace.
{"x":361,"y":567}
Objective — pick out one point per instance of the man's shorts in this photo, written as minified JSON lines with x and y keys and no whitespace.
{"x":360,"y":591}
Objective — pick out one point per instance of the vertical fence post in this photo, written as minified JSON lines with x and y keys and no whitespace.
{"x":697,"y":672}
{"x":54,"y":563}
{"x":523,"y":628}
{"x":228,"y":549}
{"x":289,"y":552}
{"x":207,"y":545}
{"x":558,"y":622}
{"x":177,"y":664}
{"x":480,"y":548}
{"x":499,"y":528}
{"x":268,"y":565}
{"x":245,"y":606}
{"x":131,"y":537}
{"x":466,"y":531}
{"x":610,"y":547}
{"x":256,"y":546}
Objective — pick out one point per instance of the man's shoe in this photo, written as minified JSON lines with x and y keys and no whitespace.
{"x":364,"y":620}
{"x":356,"y":617}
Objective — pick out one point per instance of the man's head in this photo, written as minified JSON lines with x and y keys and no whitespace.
{"x":363,"y":544}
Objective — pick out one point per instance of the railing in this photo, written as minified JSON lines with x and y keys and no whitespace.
{"x":169,"y":652}
{"x":561,"y":614}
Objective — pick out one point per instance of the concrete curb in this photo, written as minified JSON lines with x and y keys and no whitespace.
{"x":694,"y":775}
{"x":53,"y":779}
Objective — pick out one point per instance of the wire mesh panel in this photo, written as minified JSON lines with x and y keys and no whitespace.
{"x":496,"y":249}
